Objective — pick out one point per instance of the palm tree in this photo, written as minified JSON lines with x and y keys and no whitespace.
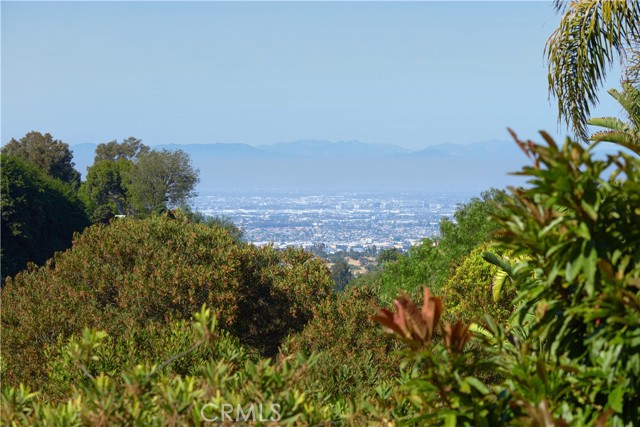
{"x":620,"y":132}
{"x":590,"y":34}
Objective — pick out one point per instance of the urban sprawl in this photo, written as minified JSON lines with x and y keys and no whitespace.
{"x":336,"y":222}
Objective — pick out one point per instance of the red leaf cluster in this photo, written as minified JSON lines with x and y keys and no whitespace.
{"x":417,"y":326}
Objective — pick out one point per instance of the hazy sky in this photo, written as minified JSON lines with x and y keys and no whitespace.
{"x":411,"y":74}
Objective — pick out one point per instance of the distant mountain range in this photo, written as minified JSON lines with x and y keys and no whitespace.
{"x":344,"y":165}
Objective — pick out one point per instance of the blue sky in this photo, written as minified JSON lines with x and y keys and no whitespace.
{"x":412,"y":74}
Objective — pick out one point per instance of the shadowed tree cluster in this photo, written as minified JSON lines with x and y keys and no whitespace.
{"x":51,"y":155}
{"x":39,"y":215}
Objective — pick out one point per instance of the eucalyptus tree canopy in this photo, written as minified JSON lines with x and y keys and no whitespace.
{"x":128,"y":178}
{"x":129,"y":149}
{"x":50,"y":155}
{"x":162,"y":179}
{"x":106,"y":186}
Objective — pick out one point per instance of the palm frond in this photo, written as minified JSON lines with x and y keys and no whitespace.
{"x":580,"y":51}
{"x":612,"y":123}
{"x":624,"y":139}
{"x":499,"y":280}
{"x":629,"y":99}
{"x":632,"y":61}
{"x":501,"y":262}
{"x":626,"y":134}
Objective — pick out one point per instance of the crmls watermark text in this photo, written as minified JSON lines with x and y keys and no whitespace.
{"x":211,"y":413}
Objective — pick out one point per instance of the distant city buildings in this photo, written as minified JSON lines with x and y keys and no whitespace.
{"x":337,"y":222}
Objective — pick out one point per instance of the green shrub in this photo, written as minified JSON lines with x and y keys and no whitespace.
{"x":354,"y":355}
{"x":132,"y":273}
{"x":101,"y":386}
{"x":145,"y":394}
{"x":280,"y":292}
{"x":577,"y":226}
{"x":468,"y":291}
{"x":139,"y":346}
{"x":571,"y":354}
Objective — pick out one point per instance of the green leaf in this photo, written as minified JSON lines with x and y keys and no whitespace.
{"x":498,"y":284}
{"x":573,"y":269}
{"x":477,"y":384}
{"x":450,"y":420}
{"x":615,"y":399}
{"x":589,"y":210}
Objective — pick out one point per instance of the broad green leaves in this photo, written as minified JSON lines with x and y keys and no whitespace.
{"x":576,"y":224}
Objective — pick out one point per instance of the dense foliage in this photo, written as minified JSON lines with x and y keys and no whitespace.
{"x":432,"y":261}
{"x":572,"y":353}
{"x":578,"y":227}
{"x":568,"y":355}
{"x":353,"y":354}
{"x":129,"y":149}
{"x":128,"y":178}
{"x":149,"y":394}
{"x":162,"y":179}
{"x":468,"y":292}
{"x":105,"y":190}
{"x":50,"y":155}
{"x":341,"y":274}
{"x":539,"y":328}
{"x":213,"y":221}
{"x":39,"y":215}
{"x":133,"y":273}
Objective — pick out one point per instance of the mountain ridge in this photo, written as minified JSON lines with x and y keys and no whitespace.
{"x":320,"y":165}
{"x":313,"y":147}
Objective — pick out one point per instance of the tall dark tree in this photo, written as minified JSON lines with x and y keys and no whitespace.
{"x":128,"y":178}
{"x":39,"y":215}
{"x":50,"y":155}
{"x":389,"y":255}
{"x":341,"y":274}
{"x":106,"y":189}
